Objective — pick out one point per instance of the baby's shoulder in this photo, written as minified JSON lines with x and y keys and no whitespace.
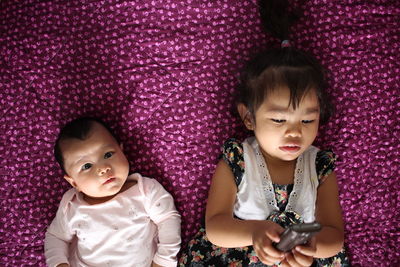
{"x":145,"y":184}
{"x":69,"y":195}
{"x":67,"y":199}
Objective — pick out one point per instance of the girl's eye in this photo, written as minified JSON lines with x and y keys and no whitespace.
{"x":86,"y":166}
{"x":307,"y":121}
{"x":108,"y":155}
{"x":278,"y":121}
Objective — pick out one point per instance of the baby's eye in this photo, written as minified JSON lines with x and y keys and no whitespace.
{"x":86,"y":166}
{"x":108,"y":155}
{"x":307,"y":121}
{"x":278,"y":121}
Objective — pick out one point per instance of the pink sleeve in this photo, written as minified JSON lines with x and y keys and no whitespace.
{"x":162,"y":211}
{"x":58,"y":237}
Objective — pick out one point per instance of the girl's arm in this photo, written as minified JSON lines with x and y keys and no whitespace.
{"x":329,"y":241}
{"x":224,"y":230}
{"x":329,"y":214}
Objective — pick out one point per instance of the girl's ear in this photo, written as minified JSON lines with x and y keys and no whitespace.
{"x":246,"y":116}
{"x":71,"y":181}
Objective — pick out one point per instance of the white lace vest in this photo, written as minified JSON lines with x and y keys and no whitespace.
{"x":255,"y":198}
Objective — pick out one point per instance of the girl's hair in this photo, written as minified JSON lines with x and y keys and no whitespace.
{"x":284,"y":67}
{"x":76,"y":129}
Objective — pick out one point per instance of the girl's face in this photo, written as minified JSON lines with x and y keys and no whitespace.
{"x":282,"y":132}
{"x":95,"y":166}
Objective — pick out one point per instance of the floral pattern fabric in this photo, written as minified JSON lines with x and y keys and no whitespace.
{"x":201,"y":252}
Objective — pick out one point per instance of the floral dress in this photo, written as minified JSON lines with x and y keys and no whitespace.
{"x":201,"y":252}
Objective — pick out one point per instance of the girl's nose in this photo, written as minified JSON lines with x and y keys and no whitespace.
{"x":294,"y":130}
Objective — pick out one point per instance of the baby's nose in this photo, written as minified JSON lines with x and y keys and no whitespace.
{"x":104,"y":170}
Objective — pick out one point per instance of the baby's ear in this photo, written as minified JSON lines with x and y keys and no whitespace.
{"x":71,"y":181}
{"x":246,"y":116}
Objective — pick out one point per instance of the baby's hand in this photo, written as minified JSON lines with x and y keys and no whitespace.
{"x":301,"y":255}
{"x":263,"y":236}
{"x":153,"y":264}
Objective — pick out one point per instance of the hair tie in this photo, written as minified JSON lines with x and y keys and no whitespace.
{"x":285,"y":43}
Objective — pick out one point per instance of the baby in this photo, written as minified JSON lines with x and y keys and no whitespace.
{"x":108,"y":218}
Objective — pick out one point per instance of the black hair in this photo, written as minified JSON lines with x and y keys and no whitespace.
{"x":76,"y":129}
{"x":284,"y":67}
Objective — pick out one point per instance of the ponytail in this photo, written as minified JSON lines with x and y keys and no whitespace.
{"x":277,"y":18}
{"x":282,"y":67}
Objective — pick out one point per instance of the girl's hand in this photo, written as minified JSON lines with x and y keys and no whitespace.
{"x":263,"y":236}
{"x":301,"y":255}
{"x":153,"y":264}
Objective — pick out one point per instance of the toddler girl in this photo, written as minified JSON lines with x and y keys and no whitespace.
{"x":108,"y":218}
{"x":275,"y":178}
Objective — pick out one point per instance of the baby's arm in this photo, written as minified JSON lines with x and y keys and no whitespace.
{"x":163,"y":213}
{"x":224,"y":230}
{"x":57,"y":238}
{"x":56,"y":250}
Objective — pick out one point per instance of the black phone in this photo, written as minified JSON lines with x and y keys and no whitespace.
{"x":297,"y":234}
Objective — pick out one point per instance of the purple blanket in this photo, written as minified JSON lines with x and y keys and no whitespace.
{"x":161,"y":73}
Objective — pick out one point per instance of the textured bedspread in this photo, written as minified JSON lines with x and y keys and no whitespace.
{"x":161,"y":73}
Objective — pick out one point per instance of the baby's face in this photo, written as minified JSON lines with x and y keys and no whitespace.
{"x":96,"y":166}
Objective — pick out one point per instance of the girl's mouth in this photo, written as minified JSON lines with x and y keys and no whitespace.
{"x":290,"y":149}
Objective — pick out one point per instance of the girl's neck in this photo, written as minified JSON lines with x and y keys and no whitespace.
{"x":281,"y":171}
{"x":276,"y":161}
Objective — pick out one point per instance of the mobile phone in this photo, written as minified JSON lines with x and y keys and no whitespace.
{"x":297,"y":234}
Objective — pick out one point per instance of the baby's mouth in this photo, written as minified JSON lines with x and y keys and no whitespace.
{"x":109,"y":180}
